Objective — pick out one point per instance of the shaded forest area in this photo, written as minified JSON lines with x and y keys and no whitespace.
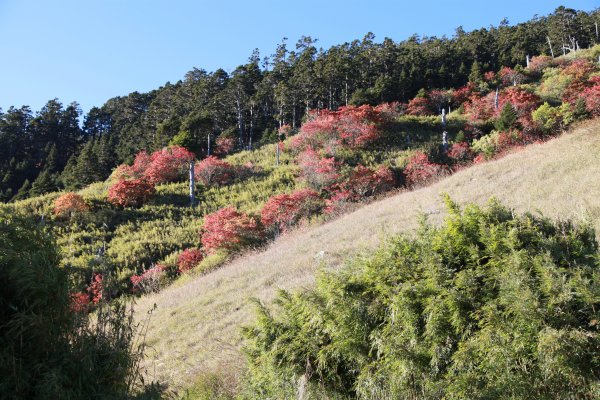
{"x":52,"y":149}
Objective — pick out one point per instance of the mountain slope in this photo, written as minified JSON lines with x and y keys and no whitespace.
{"x":195,"y":325}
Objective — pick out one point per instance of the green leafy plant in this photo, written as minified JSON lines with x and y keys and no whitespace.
{"x":49,"y":350}
{"x":491,"y":305}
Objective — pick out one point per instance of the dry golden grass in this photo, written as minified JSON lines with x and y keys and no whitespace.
{"x":195,"y":327}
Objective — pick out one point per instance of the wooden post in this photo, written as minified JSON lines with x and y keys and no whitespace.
{"x":192,"y":185}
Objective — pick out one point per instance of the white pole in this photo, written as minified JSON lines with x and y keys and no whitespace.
{"x":192,"y":185}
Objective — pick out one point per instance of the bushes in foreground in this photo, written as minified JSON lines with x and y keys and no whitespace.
{"x":47,"y":349}
{"x":489,"y":306}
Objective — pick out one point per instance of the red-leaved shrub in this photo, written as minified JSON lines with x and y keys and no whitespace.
{"x":388,"y":111}
{"x":420,"y":106}
{"x":213,"y":172}
{"x":150,"y":280}
{"x":460,"y":153}
{"x":96,"y":289}
{"x":591,"y":96}
{"x":481,"y":108}
{"x":168,"y":164}
{"x":523,"y":102}
{"x":230,"y":230}
{"x":510,"y":77}
{"x":282,"y":211}
{"x":363,"y":182}
{"x":80,"y":302}
{"x":479,"y":158}
{"x":339,"y":202}
{"x":578,"y":72}
{"x":319,"y":173}
{"x":224,"y":146}
{"x":69,"y":204}
{"x":419,"y":169}
{"x":141,"y":163}
{"x":123,"y":172}
{"x":93,"y":294}
{"x":509,"y":140}
{"x":439,"y":99}
{"x":350,"y":127}
{"x":284,"y":131}
{"x":461,"y":95}
{"x":130,"y":192}
{"x":188,"y":259}
{"x":538,"y":63}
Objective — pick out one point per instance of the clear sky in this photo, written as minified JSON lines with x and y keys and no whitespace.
{"x":91,"y":50}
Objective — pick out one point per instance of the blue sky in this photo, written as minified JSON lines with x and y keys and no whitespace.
{"x":91,"y":50}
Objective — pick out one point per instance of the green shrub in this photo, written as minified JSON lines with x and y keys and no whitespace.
{"x":491,"y":305}
{"x":218,"y":384}
{"x":486,"y":145}
{"x":47,"y":350}
{"x":553,"y":119}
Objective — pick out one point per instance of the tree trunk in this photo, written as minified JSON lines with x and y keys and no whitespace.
{"x":251,"y":124}
{"x":346,"y":93}
{"x":240,"y":121}
{"x":550,"y":45}
{"x":192,"y":185}
{"x":496,"y":99}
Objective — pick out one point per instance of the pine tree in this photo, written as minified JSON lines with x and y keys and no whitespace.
{"x":508,"y":118}
{"x":476,"y":76}
{"x":46,"y":182}
{"x":68,"y":177}
{"x":52,"y":159}
{"x":23,"y":191}
{"x":87,"y":170}
{"x":104,"y":150}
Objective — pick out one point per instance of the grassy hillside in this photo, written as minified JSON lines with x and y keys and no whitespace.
{"x":195,"y":326}
{"x":329,"y":165}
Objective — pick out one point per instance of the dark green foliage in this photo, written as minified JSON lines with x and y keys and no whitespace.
{"x":23,"y":191}
{"x":508,"y":118}
{"x":580,"y":112}
{"x":194,"y":133}
{"x":363,"y":96}
{"x":30,"y":145}
{"x":490,"y":305}
{"x":476,"y":76}
{"x":47,"y":351}
{"x":46,"y":182}
{"x":269,"y":136}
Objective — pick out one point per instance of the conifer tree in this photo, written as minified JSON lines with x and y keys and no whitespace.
{"x":508,"y":118}
{"x":23,"y":191}
{"x":46,"y":182}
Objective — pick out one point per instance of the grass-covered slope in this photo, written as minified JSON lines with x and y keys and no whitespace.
{"x":195,"y":326}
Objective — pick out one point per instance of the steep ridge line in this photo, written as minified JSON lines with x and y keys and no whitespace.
{"x":196,"y":324}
